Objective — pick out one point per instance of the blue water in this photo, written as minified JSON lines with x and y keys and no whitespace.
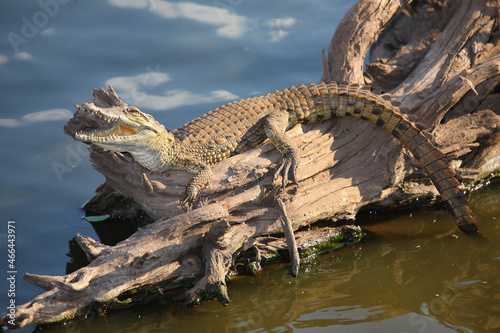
{"x":176,"y":61}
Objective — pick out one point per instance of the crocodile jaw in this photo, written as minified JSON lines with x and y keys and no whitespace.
{"x":117,"y":132}
{"x":126,"y":134}
{"x":133,"y":131}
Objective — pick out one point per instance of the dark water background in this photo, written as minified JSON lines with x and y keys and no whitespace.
{"x":177,"y":60}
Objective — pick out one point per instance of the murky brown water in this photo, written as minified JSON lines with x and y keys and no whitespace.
{"x":414,"y":273}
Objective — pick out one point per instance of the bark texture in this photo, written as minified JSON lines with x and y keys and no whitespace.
{"x":439,"y":58}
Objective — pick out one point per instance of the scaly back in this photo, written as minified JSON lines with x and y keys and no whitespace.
{"x":241,"y":121}
{"x":305,"y":105}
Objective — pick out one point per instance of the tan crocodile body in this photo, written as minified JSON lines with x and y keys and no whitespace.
{"x":235,"y":127}
{"x":239,"y":126}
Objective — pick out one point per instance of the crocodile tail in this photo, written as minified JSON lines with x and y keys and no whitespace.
{"x":360,"y":102}
{"x":435,"y":164}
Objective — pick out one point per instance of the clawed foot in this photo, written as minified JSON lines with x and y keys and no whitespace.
{"x":287,"y":169}
{"x":189,"y":203}
{"x":195,"y":184}
{"x":189,"y":199}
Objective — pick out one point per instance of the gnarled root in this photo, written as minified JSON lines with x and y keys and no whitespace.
{"x":220,"y":242}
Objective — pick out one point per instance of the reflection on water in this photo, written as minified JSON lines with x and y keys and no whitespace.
{"x":134,"y":90}
{"x":36,"y":117}
{"x":487,"y":201}
{"x":415,"y":273}
{"x":221,"y":15}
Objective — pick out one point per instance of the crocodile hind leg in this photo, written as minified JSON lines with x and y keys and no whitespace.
{"x":275,"y":125}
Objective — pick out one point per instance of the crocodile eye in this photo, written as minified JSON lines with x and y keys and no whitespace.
{"x":135,"y":112}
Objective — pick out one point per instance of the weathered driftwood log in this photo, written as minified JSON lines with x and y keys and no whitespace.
{"x":439,"y":58}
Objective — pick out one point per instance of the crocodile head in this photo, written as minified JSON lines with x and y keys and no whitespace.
{"x":132,"y":130}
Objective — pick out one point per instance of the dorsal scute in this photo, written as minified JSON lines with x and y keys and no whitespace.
{"x":285,"y":92}
{"x":343,"y":89}
{"x":321,"y":84}
{"x":294,"y":92}
{"x":261,"y":104}
{"x":333,"y":88}
{"x":323,"y":90}
{"x":353,"y":90}
{"x":411,"y":117}
{"x":386,"y":100}
{"x":382,"y":101}
{"x":304,"y":91}
{"x":287,"y":101}
{"x":313,"y":89}
{"x":395,"y":103}
{"x":298,"y":99}
{"x":296,"y":95}
{"x":420,"y":126}
{"x":405,"y":110}
{"x":371,"y":97}
{"x":364,"y":91}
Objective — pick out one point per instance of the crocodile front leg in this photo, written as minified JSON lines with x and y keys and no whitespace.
{"x":275,"y":125}
{"x":203,"y":174}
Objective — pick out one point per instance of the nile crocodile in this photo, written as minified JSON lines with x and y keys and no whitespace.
{"x":239,"y":126}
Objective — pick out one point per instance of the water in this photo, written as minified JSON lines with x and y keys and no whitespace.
{"x":177,"y":61}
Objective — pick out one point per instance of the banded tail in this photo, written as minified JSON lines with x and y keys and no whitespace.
{"x":360,"y":102}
